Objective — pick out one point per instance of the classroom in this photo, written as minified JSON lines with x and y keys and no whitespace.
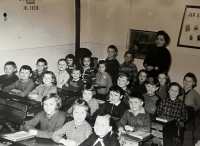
{"x":33,"y":29}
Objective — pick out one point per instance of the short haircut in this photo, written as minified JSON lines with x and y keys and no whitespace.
{"x":89,"y":87}
{"x":52,"y":75}
{"x":70,"y":56}
{"x":165,"y":35}
{"x":11,"y":63}
{"x":136,"y":95}
{"x":42,"y":60}
{"x":175,"y":84}
{"x":116,"y":89}
{"x":102,"y":62}
{"x":113,"y":47}
{"x":62,"y":59}
{"x":108,"y":116}
{"x":81,"y":102}
{"x":130,"y":52}
{"x":26,"y":67}
{"x":53,"y":95}
{"x":124,"y":75}
{"x":152,"y":80}
{"x":191,"y":75}
{"x":91,"y":61}
{"x":144,"y":71}
{"x":77,"y":69}
{"x":166,"y":76}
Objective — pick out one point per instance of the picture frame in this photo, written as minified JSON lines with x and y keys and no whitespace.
{"x":139,"y":40}
{"x":189,"y":35}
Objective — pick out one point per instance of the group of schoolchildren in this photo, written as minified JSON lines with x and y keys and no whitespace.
{"x":133,"y":99}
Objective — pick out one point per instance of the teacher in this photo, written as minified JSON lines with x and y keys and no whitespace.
{"x":158,"y":58}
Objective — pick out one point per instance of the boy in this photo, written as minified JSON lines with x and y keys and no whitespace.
{"x":123,"y":81}
{"x":62,"y":76}
{"x":9,"y":77}
{"x":129,"y":67}
{"x":41,"y":67}
{"x":115,"y":107}
{"x":22,"y":86}
{"x":150,"y":98}
{"x":136,"y":118}
{"x":112,"y":63}
{"x":75,"y":84}
{"x":70,"y":63}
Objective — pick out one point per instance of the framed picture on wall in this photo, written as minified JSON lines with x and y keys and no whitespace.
{"x":189,"y":35}
{"x":139,"y":40}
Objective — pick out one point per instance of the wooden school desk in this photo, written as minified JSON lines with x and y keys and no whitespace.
{"x":15,"y":108}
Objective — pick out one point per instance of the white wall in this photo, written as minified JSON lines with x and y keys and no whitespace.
{"x":110,"y":20}
{"x":30,"y":34}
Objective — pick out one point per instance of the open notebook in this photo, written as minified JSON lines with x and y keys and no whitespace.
{"x":18,"y":136}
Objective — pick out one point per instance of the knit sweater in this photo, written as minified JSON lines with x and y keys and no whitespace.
{"x":75,"y":86}
{"x":150,"y":103}
{"x":62,"y":78}
{"x":103,"y":79}
{"x":8,"y":80}
{"x":24,"y":87}
{"x":43,"y":90}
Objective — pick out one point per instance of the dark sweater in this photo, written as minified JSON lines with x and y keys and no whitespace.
{"x":109,"y":139}
{"x":137,"y":87}
{"x":8,"y":80}
{"x":75,"y":86}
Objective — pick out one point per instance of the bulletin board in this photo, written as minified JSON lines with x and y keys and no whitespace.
{"x":189,"y":35}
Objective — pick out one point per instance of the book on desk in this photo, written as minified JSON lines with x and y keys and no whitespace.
{"x":18,"y":136}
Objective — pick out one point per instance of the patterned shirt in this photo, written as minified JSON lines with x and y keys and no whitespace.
{"x":37,"y":77}
{"x":172,"y":108}
{"x":78,"y":133}
{"x":75,"y":86}
{"x":88,"y":75}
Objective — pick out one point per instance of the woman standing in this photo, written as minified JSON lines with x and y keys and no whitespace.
{"x":158,"y":58}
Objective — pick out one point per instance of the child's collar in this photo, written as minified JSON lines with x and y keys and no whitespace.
{"x":140,"y":111}
{"x":76,"y":79}
{"x":25,"y":80}
{"x":116,"y":103}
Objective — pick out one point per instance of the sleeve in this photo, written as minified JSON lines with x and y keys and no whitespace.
{"x":77,"y":88}
{"x":47,"y":134}
{"x":184,"y":114}
{"x":10,"y":88}
{"x":123,"y":109}
{"x":165,"y":62}
{"x":197,"y":101}
{"x":35,"y":91}
{"x":88,"y":141}
{"x":93,"y":75}
{"x":146,"y":124}
{"x":159,"y":110}
{"x":27,"y":89}
{"x":58,"y":134}
{"x":94,"y":107}
{"x":124,"y":120}
{"x":109,"y":81}
{"x":33,"y":122}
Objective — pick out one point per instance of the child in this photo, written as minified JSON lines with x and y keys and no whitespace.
{"x":48,"y":86}
{"x":62,"y":76}
{"x":50,"y":119}
{"x":75,"y":84}
{"x":76,"y":131}
{"x":22,"y":86}
{"x":123,"y":81}
{"x":136,"y":118}
{"x":88,"y":75}
{"x":41,"y":67}
{"x":70,"y":63}
{"x":190,"y":96}
{"x":139,"y":85}
{"x":103,"y":78}
{"x":112,"y":63}
{"x":102,"y":133}
{"x":129,"y":67}
{"x":163,"y":79}
{"x":174,"y":108}
{"x":9,"y":77}
{"x":115,"y":107}
{"x":150,"y":99}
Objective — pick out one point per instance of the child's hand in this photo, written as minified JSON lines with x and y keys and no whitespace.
{"x":33,"y":96}
{"x":66,"y":84}
{"x":121,"y":131}
{"x":33,"y":131}
{"x":128,"y":128}
{"x":16,"y":91}
{"x":71,"y":142}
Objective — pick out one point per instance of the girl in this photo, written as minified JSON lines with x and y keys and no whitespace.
{"x":139,"y":86}
{"x":48,"y":86}
{"x":190,"y":96}
{"x":76,"y":130}
{"x":88,"y":75}
{"x":103,"y":78}
{"x":50,"y":120}
{"x":163,"y":79}
{"x":102,"y":133}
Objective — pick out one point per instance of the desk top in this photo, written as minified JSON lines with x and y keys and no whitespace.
{"x":23,"y":100}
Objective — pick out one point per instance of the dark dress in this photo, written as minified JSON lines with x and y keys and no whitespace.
{"x":158,"y":57}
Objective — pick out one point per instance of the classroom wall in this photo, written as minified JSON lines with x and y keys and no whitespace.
{"x":109,"y":22}
{"x":47,"y":30}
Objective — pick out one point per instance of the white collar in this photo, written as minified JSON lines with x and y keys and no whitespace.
{"x":75,"y":80}
{"x":116,"y":103}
